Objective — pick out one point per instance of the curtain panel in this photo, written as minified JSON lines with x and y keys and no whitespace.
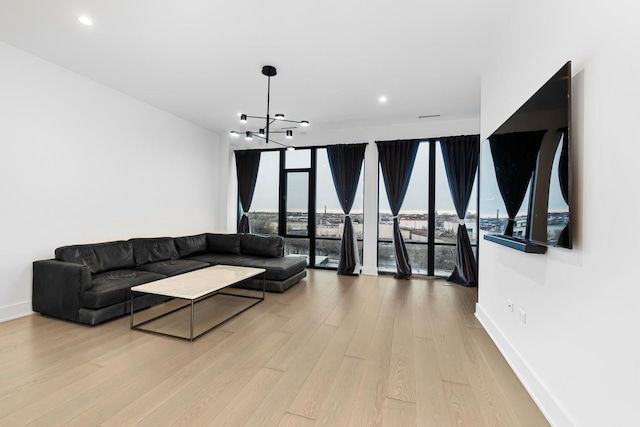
{"x":514,"y":160}
{"x":345,"y":161}
{"x":247,"y":164}
{"x":460,"y":155}
{"x":396,"y":160}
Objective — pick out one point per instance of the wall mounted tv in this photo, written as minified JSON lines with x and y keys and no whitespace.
{"x":526,"y":171}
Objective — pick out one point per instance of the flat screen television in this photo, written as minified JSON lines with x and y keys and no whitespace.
{"x":526,"y":170}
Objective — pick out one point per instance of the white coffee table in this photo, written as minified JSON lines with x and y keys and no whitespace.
{"x":196,"y":286}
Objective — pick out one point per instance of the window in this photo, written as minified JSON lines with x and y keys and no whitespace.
{"x":295,"y":198}
{"x":263,"y":215}
{"x":329,"y":215}
{"x":446,"y":219}
{"x":413,"y":218}
{"x":431,"y":245}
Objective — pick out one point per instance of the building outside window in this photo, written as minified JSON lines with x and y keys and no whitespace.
{"x":429,"y":257}
{"x":295,"y":198}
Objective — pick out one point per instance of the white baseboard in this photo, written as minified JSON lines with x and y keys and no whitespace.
{"x":545,"y":400}
{"x":14,"y":311}
{"x":369,"y":270}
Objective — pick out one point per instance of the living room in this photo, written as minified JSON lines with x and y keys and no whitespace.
{"x":86,"y":163}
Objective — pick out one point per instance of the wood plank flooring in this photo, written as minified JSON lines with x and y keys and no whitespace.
{"x":331,"y":351}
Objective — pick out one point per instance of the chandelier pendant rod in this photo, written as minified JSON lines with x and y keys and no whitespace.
{"x":268,"y":101}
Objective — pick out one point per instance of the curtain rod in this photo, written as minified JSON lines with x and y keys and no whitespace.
{"x":302,"y":148}
{"x":431,"y":138}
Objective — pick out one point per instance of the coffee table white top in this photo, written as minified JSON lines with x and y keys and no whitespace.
{"x":196,"y":284}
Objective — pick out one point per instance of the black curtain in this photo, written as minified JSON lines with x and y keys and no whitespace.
{"x":247,"y":163}
{"x":460,"y":155}
{"x":397,"y":159}
{"x":346,"y":163}
{"x":564,"y":239}
{"x":514,"y":159}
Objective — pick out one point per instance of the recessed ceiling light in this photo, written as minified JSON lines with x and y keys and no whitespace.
{"x":85,"y":20}
{"x":383,"y":99}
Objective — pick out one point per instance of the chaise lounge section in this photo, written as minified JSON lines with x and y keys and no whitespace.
{"x":92,"y":283}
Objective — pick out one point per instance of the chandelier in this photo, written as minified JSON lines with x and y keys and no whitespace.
{"x":264,"y":132}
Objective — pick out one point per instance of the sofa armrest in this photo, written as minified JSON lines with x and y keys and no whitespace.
{"x":58,"y":288}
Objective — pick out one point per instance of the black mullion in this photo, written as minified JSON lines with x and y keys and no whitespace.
{"x":282,"y":205}
{"x":477,"y":245}
{"x":377,"y":219}
{"x":311,"y":215}
{"x":431,"y":232}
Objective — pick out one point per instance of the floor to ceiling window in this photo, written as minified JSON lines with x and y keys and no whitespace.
{"x":428,"y":220}
{"x":295,"y":198}
{"x":297,"y":184}
{"x":263,"y":216}
{"x":329,"y":216}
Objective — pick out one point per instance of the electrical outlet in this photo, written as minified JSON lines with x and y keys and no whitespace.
{"x":522,"y":315}
{"x":510,"y":305}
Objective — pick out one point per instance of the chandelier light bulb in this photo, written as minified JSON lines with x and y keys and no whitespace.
{"x":85,"y":20}
{"x":234,"y":133}
{"x":279,"y":116}
{"x":261,"y":132}
{"x":304,"y":123}
{"x":248,"y":135}
{"x":289,"y":134}
{"x":243,"y":118}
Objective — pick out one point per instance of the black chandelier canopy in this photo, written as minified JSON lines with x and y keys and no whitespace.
{"x":264,"y":132}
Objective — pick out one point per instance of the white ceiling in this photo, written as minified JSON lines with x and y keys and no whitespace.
{"x":201,"y":59}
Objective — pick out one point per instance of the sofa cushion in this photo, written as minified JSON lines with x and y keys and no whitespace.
{"x":280,"y":268}
{"x":112,"y":287}
{"x":191,"y":245}
{"x":147,"y":250}
{"x":268,"y":246}
{"x":171,"y":267}
{"x":99,"y":257}
{"x":223,"y":243}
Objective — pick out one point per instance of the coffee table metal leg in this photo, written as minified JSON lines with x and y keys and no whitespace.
{"x":192,"y":318}
{"x":131,"y":317}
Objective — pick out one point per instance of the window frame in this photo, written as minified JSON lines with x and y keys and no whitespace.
{"x":431,"y":212}
{"x":311,"y":203}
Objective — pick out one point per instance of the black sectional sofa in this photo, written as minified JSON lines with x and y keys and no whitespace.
{"x":91,"y":283}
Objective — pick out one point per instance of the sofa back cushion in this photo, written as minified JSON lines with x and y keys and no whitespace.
{"x":147,"y":250}
{"x":191,"y":245}
{"x":99,"y":257}
{"x":223,"y":243}
{"x":267,"y":246}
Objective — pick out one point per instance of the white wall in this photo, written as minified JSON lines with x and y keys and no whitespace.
{"x":83,"y":163}
{"x":578,"y":352}
{"x":422,"y":129}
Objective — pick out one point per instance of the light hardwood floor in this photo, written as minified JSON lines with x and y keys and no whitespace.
{"x":332,"y":351}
